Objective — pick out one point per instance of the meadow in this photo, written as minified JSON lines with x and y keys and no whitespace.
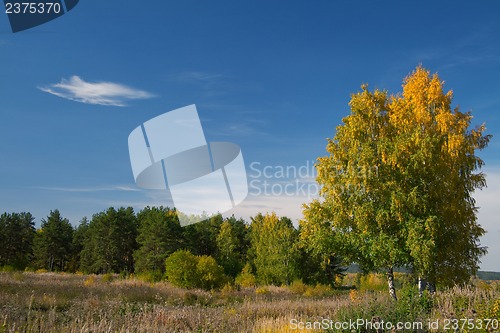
{"x":59,"y":302}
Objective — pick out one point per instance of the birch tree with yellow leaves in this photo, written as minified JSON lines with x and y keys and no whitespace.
{"x":397,"y":185}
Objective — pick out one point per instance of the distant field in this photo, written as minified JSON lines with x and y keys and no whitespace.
{"x":49,"y":302}
{"x":488,"y":275}
{"x":483,"y":275}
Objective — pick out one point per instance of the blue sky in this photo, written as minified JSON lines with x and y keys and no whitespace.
{"x":273,"y":77}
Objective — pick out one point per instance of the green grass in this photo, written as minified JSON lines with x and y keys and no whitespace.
{"x":49,"y":302}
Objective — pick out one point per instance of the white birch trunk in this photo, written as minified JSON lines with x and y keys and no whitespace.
{"x":390,"y":282}
{"x":422,"y":284}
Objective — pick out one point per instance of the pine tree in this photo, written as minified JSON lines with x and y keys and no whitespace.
{"x":17,"y":231}
{"x":78,"y":244}
{"x":159,"y":235}
{"x":111,"y":242}
{"x":52,"y":246}
{"x":201,"y":237}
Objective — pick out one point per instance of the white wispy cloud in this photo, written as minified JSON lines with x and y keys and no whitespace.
{"x":197,"y":77}
{"x":124,"y":188}
{"x":210,"y":84}
{"x":101,"y":93}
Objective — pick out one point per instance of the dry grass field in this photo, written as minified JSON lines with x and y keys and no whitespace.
{"x":50,"y":302}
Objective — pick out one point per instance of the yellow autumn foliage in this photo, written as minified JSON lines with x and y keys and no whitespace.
{"x":416,"y":208}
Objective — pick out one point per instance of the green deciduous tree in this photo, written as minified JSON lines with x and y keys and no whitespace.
{"x":227,"y":244}
{"x":232,"y":245}
{"x":397,"y":184}
{"x":53,"y":243}
{"x":435,"y":154}
{"x":17,"y":231}
{"x":274,"y":249}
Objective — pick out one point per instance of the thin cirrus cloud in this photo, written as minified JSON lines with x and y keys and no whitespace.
{"x":123,"y":188}
{"x":197,"y":77}
{"x":100,"y":93}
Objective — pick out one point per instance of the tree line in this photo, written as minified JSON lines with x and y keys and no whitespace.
{"x":396,"y":191}
{"x":268,"y":248}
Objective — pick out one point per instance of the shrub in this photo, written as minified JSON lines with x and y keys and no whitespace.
{"x":262,"y":290}
{"x":372,"y":282}
{"x":482,"y":285}
{"x":246,"y":279}
{"x":108,"y":277}
{"x":125,"y":274}
{"x":18,"y":276}
{"x":211,"y":275}
{"x":494,"y":310}
{"x":351,"y":280}
{"x":184,"y":269}
{"x":297,"y":287}
{"x":90,"y":281}
{"x":228,"y":289}
{"x":411,"y":305}
{"x":320,"y":290}
{"x":150,"y":276}
{"x":354,"y":296}
{"x":180,"y":269}
{"x":7,"y":268}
